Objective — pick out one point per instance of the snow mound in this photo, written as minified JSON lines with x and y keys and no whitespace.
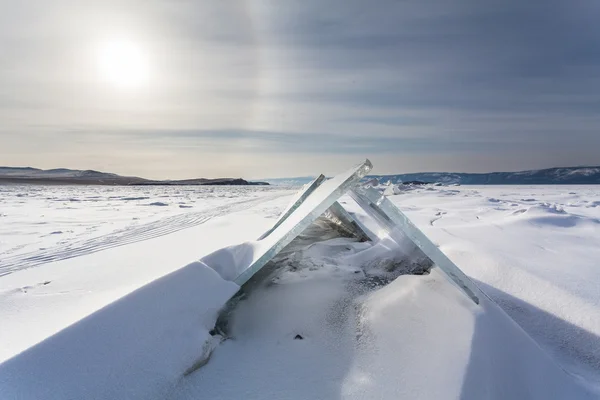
{"x":554,"y":216}
{"x":336,"y":334}
{"x":135,"y":348}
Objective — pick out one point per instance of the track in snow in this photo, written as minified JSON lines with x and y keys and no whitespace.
{"x":125,"y":236}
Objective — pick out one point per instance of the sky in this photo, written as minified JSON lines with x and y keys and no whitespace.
{"x":267,"y":88}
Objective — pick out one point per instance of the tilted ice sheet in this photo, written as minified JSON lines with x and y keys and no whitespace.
{"x":251,"y":257}
{"x":339,"y":216}
{"x":395,"y":221}
{"x":296,"y":201}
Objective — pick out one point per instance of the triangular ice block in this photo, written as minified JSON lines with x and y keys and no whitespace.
{"x":240,"y":263}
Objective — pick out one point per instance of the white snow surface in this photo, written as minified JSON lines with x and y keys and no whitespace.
{"x":535,"y":250}
{"x":110,"y":313}
{"x":50,"y":223}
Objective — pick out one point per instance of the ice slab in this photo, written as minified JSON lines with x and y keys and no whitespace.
{"x":297,"y":200}
{"x":240,"y":263}
{"x":338,"y":215}
{"x":399,"y":227}
{"x":314,"y":205}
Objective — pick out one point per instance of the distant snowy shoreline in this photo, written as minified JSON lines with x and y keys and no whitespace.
{"x":549,"y":176}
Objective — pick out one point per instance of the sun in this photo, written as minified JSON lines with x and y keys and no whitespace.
{"x":123,"y":63}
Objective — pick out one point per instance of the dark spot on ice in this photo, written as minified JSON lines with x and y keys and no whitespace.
{"x":46,"y":283}
{"x":422,"y":272}
{"x":298,"y":337}
{"x":158,"y":203}
{"x":135,"y":198}
{"x":56,"y":233}
{"x":183,"y":206}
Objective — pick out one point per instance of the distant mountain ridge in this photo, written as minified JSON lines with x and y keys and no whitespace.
{"x":90,"y":177}
{"x":549,"y":176}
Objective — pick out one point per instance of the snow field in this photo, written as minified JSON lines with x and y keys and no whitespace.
{"x":534,"y":250}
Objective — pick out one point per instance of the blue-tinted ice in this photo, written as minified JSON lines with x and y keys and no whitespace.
{"x":399,"y":227}
{"x":240,"y":263}
{"x":297,"y":200}
{"x":313,"y":206}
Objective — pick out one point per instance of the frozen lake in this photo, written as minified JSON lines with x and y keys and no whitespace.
{"x":40,"y":224}
{"x":68,"y":252}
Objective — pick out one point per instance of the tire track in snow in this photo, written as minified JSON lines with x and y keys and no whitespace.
{"x":125,"y":236}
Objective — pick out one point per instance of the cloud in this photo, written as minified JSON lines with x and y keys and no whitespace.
{"x":465,"y":85}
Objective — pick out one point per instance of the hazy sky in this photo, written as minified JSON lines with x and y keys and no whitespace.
{"x":269,"y":88}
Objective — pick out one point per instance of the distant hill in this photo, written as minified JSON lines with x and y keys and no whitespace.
{"x":550,"y":176}
{"x":63,"y":176}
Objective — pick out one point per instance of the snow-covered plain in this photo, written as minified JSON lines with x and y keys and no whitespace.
{"x":112,"y":240}
{"x":49,"y":223}
{"x":534,"y":250}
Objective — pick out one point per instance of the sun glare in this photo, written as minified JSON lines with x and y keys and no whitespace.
{"x":123,"y":64}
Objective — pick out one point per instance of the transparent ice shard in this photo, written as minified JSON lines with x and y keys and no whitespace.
{"x":398,"y":226}
{"x":297,"y":200}
{"x":339,"y":216}
{"x":314,"y":205}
